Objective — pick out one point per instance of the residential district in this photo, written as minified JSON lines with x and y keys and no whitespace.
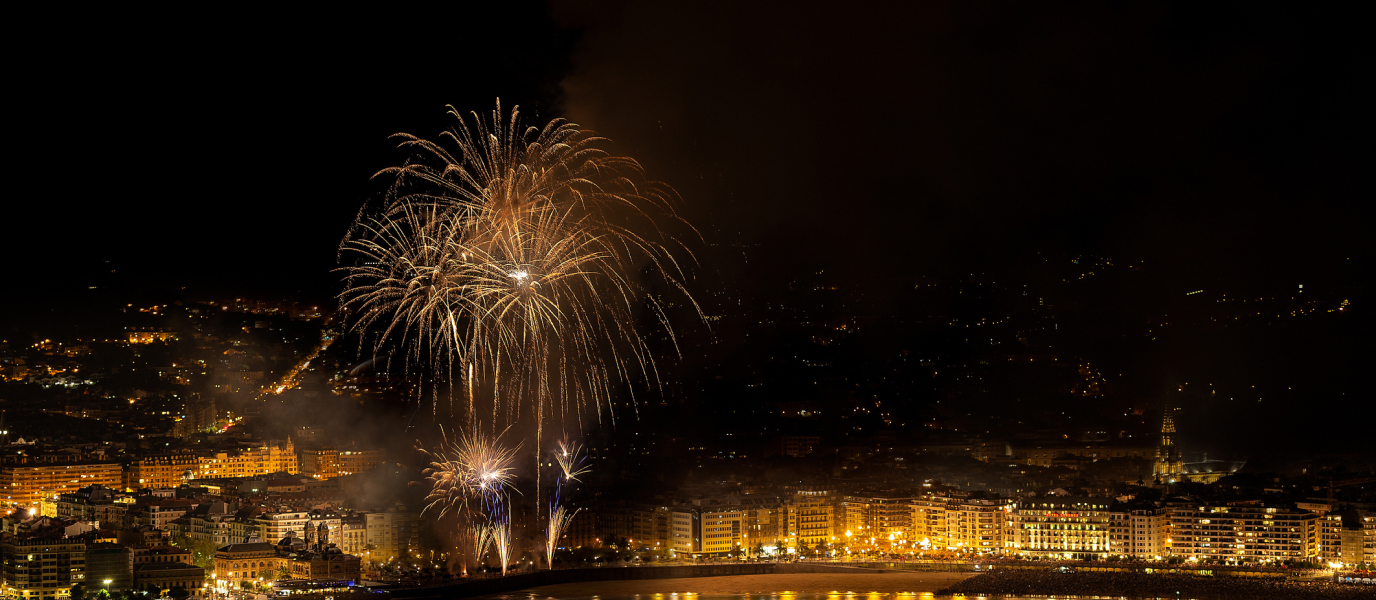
{"x":197,"y":522}
{"x":206,"y":447}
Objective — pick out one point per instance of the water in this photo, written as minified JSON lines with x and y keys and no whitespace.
{"x":795,"y":596}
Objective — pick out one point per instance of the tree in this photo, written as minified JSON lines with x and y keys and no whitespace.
{"x":283,"y":572}
{"x":202,"y":551}
{"x":179,"y":593}
{"x":79,"y":591}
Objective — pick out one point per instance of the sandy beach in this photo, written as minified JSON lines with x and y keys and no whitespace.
{"x":747,"y":584}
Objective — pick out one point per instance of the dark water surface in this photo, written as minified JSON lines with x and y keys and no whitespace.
{"x":800,"y":596}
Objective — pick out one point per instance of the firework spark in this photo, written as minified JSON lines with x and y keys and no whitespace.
{"x":559,"y":520}
{"x":517,"y":253}
{"x":502,"y":540}
{"x":570,"y":458}
{"x":481,"y":536}
{"x":474,"y":466}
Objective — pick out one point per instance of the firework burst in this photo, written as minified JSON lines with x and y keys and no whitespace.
{"x":517,"y":253}
{"x":474,"y":466}
{"x":570,"y":458}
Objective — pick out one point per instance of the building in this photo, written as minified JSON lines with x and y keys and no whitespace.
{"x":167,"y":576}
{"x":1142,"y":533}
{"x":765,"y":521}
{"x":319,"y":559}
{"x":1168,"y":467}
{"x":277,"y":525}
{"x":353,"y":534}
{"x":797,"y":445}
{"x":251,"y":461}
{"x":685,"y":535}
{"x":885,"y":519}
{"x":1330,"y":537}
{"x":1060,"y":527}
{"x":721,"y":530}
{"x":976,"y":525}
{"x":215,"y":522}
{"x":94,"y":503}
{"x":1250,"y":534}
{"x":391,"y":534}
{"x":928,"y":514}
{"x":159,"y":513}
{"x":1074,"y":455}
{"x":143,"y":335}
{"x":111,"y":562}
{"x":161,"y":554}
{"x":328,"y":463}
{"x":1368,"y":539}
{"x":811,"y":516}
{"x":159,"y":470}
{"x":42,"y":567}
{"x":250,"y":562}
{"x":24,"y":480}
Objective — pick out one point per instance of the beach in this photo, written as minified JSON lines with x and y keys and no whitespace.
{"x":889,"y":582}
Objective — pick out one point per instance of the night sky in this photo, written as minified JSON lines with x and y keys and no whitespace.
{"x":228,"y":153}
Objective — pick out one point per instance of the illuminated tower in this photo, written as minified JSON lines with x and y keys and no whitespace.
{"x":1168,"y":467}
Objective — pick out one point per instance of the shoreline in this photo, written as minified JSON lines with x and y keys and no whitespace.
{"x":888,"y":582}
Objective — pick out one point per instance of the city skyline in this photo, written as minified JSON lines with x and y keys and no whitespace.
{"x":299,"y":308}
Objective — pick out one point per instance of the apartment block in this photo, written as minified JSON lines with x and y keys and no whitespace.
{"x":1060,"y":527}
{"x":1244,"y":533}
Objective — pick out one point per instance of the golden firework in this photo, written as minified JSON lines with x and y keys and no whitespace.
{"x":519,"y":255}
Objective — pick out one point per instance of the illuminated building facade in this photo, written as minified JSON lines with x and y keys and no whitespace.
{"x":25,"y":480}
{"x":168,"y":576}
{"x":271,"y":457}
{"x":766,"y":522}
{"x":328,"y":463}
{"x":278,"y":525}
{"x":94,"y":503}
{"x":928,"y":514}
{"x":148,"y":336}
{"x":1250,"y":534}
{"x":886,"y":519}
{"x":1369,"y":539}
{"x":41,"y":568}
{"x":810,"y":518}
{"x":159,"y":470}
{"x":976,"y":525}
{"x":684,"y":532}
{"x":1341,"y":540}
{"x":248,"y":562}
{"x":1168,"y":467}
{"x":353,"y":534}
{"x":1143,"y":533}
{"x":721,"y":530}
{"x":1060,"y":527}
{"x":391,"y":534}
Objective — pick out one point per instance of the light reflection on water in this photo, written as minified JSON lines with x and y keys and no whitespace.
{"x":786,"y":595}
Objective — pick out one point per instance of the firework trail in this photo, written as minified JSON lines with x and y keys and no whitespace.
{"x":570,"y":458}
{"x":501,"y":538}
{"x":516,"y":253}
{"x":559,"y":520}
{"x":480,"y":535}
{"x":474,"y":466}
